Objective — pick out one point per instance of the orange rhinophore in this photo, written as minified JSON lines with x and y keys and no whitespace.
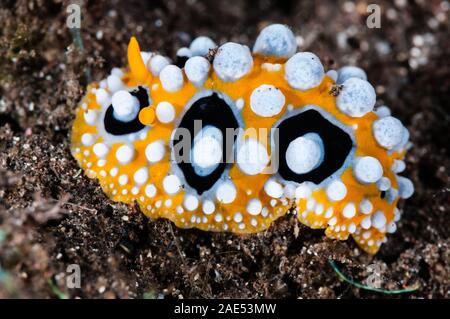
{"x":233,"y":141}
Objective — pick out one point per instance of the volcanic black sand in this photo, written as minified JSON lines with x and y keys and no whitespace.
{"x":52,"y":216}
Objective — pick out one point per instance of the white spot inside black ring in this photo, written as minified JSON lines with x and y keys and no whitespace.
{"x":116,"y":127}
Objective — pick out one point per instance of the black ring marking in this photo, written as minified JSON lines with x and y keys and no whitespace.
{"x":116,"y":127}
{"x":214,"y":111}
{"x":336,"y":142}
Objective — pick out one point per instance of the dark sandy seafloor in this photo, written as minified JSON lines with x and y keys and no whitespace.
{"x":52,"y":216}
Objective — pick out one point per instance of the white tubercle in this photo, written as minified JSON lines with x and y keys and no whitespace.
{"x":349,"y":210}
{"x":348,"y":72}
{"x":367,"y":169}
{"x":165,"y":112}
{"x":146,"y":56}
{"x":276,"y":40}
{"x":190,"y":202}
{"x":201,"y":46}
{"x":184,"y":52}
{"x":102,"y":97}
{"x":267,"y":100}
{"x":384,"y":184}
{"x":208,"y":207}
{"x":383,"y":111}
{"x":171,"y":184}
{"x":303,"y":191}
{"x":155,"y":151}
{"x":273,"y":188}
{"x":405,"y":187}
{"x":254,"y":207}
{"x":332,"y":74}
{"x":141,"y":176}
{"x":150,"y":190}
{"x":356,"y":98}
{"x":101,"y":150}
{"x":197,"y":69}
{"x":171,"y":77}
{"x":304,"y":153}
{"x":252,"y":157}
{"x":378,"y":219}
{"x":90,"y":116}
{"x":157,"y":63}
{"x":206,"y":153}
{"x":87,"y":139}
{"x":125,"y":154}
{"x":226,"y":192}
{"x":336,"y":191}
{"x":232,"y":61}
{"x":365,"y":206}
{"x":114,"y":83}
{"x":126,"y":106}
{"x":398,"y":166}
{"x":388,"y":132}
{"x":303,"y":71}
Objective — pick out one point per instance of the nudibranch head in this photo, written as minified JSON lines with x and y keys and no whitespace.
{"x":230,"y":140}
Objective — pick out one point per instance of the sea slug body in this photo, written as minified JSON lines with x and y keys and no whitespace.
{"x":334,"y":159}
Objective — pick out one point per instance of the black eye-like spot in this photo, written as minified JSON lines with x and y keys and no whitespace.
{"x":211,"y":111}
{"x":116,"y":127}
{"x":337,"y":145}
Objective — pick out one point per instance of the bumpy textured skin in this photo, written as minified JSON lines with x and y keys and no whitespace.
{"x":315,"y":211}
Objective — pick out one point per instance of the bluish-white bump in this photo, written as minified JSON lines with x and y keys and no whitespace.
{"x":226,"y":192}
{"x":276,"y":40}
{"x":398,"y":166}
{"x":208,"y":207}
{"x":273,"y":188}
{"x":126,"y":106}
{"x":366,"y":206}
{"x":171,"y":77}
{"x":150,"y":190}
{"x":154,"y":152}
{"x":348,"y":72}
{"x":102,"y":97}
{"x":201,"y":46}
{"x":305,"y":153}
{"x":356,"y":98}
{"x":267,"y":100}
{"x":197,"y":69}
{"x":141,"y":176}
{"x":405,"y":187}
{"x":232,"y":61}
{"x":206,"y":153}
{"x":379,"y":220}
{"x":336,"y":191}
{"x":388,"y":132}
{"x":157,"y":63}
{"x":171,"y":184}
{"x":383,"y":111}
{"x":87,"y":139}
{"x":114,"y":83}
{"x":125,"y":154}
{"x":332,"y":74}
{"x":190,"y":202}
{"x":304,"y":71}
{"x":254,"y":207}
{"x":165,"y":112}
{"x":384,"y":184}
{"x":252,"y":157}
{"x":349,"y":210}
{"x":184,"y":52}
{"x":367,"y":169}
{"x":303,"y":191}
{"x":90,"y":116}
{"x":101,"y":150}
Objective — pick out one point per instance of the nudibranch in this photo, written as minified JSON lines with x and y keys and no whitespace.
{"x":229,"y":139}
